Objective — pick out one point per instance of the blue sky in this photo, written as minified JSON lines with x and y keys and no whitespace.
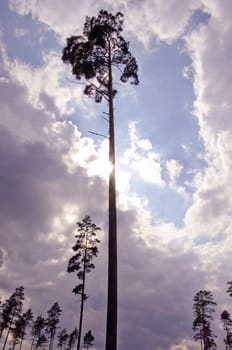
{"x":173,"y":150}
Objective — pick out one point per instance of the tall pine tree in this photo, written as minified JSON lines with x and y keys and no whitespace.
{"x":94,"y":56}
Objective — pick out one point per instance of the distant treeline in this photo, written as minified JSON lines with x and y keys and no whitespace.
{"x":17,"y":324}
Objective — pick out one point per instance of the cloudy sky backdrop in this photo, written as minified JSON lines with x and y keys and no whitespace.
{"x":174,"y":161}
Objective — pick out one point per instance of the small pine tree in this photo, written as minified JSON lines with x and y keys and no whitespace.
{"x":52,"y":322}
{"x":88,"y":340}
{"x":227,"y":326}
{"x":38,"y":333}
{"x":12,"y":310}
{"x":62,"y":339}
{"x":203,"y":308}
{"x":72,"y":339}
{"x":229,"y":290}
{"x":86,"y":249}
{"x":19,"y":330}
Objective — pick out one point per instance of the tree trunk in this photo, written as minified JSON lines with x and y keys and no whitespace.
{"x":6,"y":338}
{"x":21,"y":343}
{"x":32,"y":343}
{"x":81,"y":312}
{"x":13,"y":346}
{"x":111,"y":323}
{"x":51,"y":341}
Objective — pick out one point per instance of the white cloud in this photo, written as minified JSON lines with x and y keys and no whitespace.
{"x":174,"y":168}
{"x":49,"y":81}
{"x":19,"y":32}
{"x":165,"y":21}
{"x":210,"y":48}
{"x":65,"y":20}
{"x":142,"y":159}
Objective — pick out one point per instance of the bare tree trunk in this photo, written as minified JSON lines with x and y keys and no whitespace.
{"x":21,"y":343}
{"x":51,"y":341}
{"x":13,"y":346}
{"x":32,"y":343}
{"x":111,"y":323}
{"x":81,"y":311}
{"x":6,"y":338}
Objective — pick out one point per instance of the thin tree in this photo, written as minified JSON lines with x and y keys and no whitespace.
{"x":88,"y":340}
{"x":227,"y":326}
{"x":85,"y":249}
{"x":52,"y":321}
{"x":41,"y":342}
{"x":73,"y":336}
{"x":20,"y":325}
{"x":5,"y":317}
{"x":203,"y":308}
{"x":94,"y":56}
{"x":13,"y":309}
{"x":72,"y":339}
{"x":38,"y":332}
{"x":62,"y":337}
{"x":229,"y":290}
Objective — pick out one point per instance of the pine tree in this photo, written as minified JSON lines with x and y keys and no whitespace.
{"x":6,"y":311}
{"x":203,"y":310}
{"x":12,"y":310}
{"x":72,"y":339}
{"x":19,"y":330}
{"x":229,"y":290}
{"x":38,"y":333}
{"x":62,"y":339}
{"x":94,"y":56}
{"x":227,"y":326}
{"x":86,"y":249}
{"x":52,"y":323}
{"x":88,"y":340}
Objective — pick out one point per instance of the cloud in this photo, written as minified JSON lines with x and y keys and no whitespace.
{"x":19,"y":32}
{"x":142,"y":159}
{"x":209,"y":47}
{"x":174,"y":168}
{"x":50,"y":84}
{"x":64,"y":21}
{"x":166,"y":22}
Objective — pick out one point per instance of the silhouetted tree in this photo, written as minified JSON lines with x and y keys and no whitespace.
{"x":93,"y":56}
{"x":62,"y":339}
{"x":52,"y":322}
{"x":227,"y":326}
{"x":203,"y":310}
{"x":19,"y":330}
{"x":229,"y":290}
{"x":38,"y":333}
{"x":72,"y":339}
{"x":5,"y":316}
{"x":86,"y":249}
{"x":13,"y":309}
{"x":88,"y":340}
{"x":41,"y":342}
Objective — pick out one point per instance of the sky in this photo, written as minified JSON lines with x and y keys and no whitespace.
{"x":173,"y":154}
